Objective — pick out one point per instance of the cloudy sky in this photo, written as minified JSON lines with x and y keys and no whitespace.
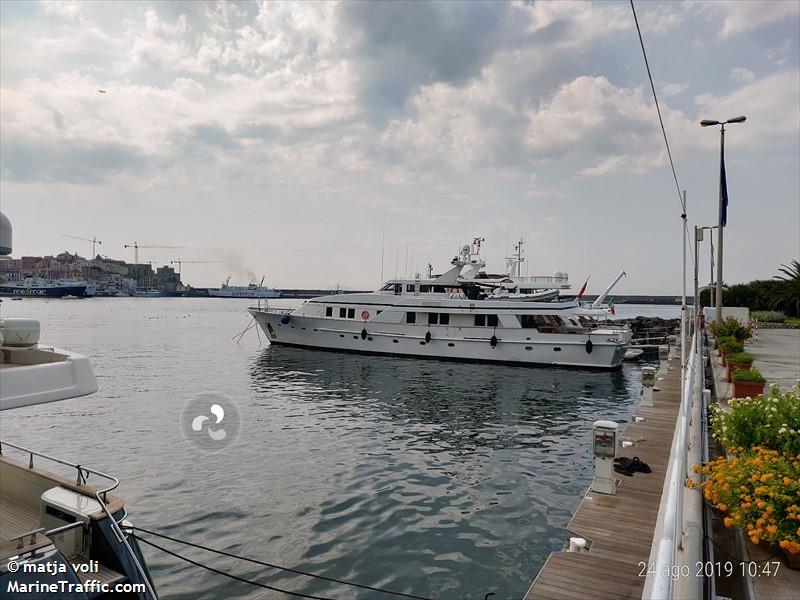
{"x":291,"y":139}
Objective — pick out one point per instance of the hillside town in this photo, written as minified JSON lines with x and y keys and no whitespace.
{"x":101,"y":276}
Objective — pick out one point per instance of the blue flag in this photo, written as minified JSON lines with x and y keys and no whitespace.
{"x":723,"y":190}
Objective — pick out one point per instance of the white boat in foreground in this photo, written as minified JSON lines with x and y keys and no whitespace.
{"x":60,"y":536}
{"x":451,"y":316}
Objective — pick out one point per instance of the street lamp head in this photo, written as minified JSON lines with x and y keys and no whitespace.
{"x":741,"y":119}
{"x":708,"y":123}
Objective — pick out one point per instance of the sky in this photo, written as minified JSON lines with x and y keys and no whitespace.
{"x":304,"y":142}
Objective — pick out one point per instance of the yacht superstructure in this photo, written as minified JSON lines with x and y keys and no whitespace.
{"x":455,"y":315}
{"x":60,"y":535}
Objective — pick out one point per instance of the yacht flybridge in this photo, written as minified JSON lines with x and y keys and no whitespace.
{"x":462,"y":314}
{"x":60,"y":535}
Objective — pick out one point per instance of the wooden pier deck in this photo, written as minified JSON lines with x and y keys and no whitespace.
{"x":619,"y":529}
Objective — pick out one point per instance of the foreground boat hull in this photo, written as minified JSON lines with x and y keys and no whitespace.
{"x":449,"y":343}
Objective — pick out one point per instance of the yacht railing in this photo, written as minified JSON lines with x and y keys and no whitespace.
{"x":100,"y":495}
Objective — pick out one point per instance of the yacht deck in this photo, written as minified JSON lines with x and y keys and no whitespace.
{"x":16,"y":518}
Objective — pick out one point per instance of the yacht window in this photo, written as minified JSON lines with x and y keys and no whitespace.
{"x":491,"y":320}
{"x":328,"y":311}
{"x":410,"y":287}
{"x":351,"y":313}
{"x":480,"y":320}
{"x":424,"y":289}
{"x":528,"y":321}
{"x":377,"y":312}
{"x":342,"y":313}
{"x":411,"y":317}
{"x":444,"y":319}
{"x":387,"y":287}
{"x":398,"y":288}
{"x":439,"y":289}
{"x":433,"y":318}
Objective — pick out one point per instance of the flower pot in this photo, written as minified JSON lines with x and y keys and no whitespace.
{"x":733,"y":366}
{"x":743,"y":389}
{"x":791,"y":560}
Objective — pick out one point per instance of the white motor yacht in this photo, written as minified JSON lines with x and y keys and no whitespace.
{"x":62,"y":532}
{"x":450,"y":316}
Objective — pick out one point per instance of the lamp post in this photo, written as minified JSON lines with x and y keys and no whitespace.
{"x":723,"y":200}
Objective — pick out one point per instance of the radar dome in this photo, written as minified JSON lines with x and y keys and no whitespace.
{"x":5,"y":235}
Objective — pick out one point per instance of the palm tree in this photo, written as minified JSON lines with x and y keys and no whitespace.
{"x":787,"y":295}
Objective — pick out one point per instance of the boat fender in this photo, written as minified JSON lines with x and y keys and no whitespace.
{"x":285,"y":319}
{"x":427,"y":337}
{"x":589,"y":346}
{"x":493,"y":341}
{"x":364,"y":334}
{"x":365,"y":314}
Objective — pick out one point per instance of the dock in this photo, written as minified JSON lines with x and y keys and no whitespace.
{"x":618,"y":528}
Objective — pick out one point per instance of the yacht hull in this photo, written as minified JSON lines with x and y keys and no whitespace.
{"x":513,"y":346}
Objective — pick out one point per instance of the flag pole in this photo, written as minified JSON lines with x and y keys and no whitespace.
{"x":684,"y":233}
{"x":723,"y":217}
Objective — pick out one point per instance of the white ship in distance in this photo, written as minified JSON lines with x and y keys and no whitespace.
{"x":252,"y":290}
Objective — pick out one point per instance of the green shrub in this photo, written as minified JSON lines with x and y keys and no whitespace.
{"x":769,"y":421}
{"x":768,"y":316}
{"x":751,"y":375}
{"x":741,"y":358}
{"x":730,"y":327}
{"x":792,"y":322}
{"x":731,"y":347}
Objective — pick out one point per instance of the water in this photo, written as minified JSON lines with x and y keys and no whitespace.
{"x":445,"y":480}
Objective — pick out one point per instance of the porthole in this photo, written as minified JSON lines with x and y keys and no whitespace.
{"x":394,"y":341}
{"x":556,"y":349}
{"x":341,"y":335}
{"x":451,"y":344}
{"x":369,"y":338}
{"x":422,"y":343}
{"x":528,"y":347}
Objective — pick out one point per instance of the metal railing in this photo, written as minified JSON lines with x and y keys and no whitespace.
{"x":100,"y":495}
{"x":675,"y":543}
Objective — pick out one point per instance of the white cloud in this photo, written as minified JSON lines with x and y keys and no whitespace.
{"x":63,"y":9}
{"x":742,"y":75}
{"x":770,"y":105}
{"x":744,"y":15}
{"x":672,"y":89}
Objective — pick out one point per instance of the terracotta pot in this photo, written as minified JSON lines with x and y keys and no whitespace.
{"x":742,"y":389}
{"x":733,"y":366}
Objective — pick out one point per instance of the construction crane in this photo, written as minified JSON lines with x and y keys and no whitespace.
{"x":94,"y":241}
{"x":179,"y":262}
{"x":136,"y":247}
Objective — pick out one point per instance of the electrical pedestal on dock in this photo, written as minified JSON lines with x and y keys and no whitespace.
{"x":605,"y":449}
{"x":648,"y":383}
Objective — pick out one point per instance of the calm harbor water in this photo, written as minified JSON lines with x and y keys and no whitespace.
{"x":445,"y":480}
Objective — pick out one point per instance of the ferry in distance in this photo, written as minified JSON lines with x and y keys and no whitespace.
{"x":252,"y":290}
{"x":456,"y":315}
{"x":38,"y":287}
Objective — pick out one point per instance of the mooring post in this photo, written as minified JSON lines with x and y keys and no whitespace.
{"x":663,"y":361}
{"x":648,"y":383}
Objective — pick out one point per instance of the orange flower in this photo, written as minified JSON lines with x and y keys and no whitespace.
{"x":728,"y":521}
